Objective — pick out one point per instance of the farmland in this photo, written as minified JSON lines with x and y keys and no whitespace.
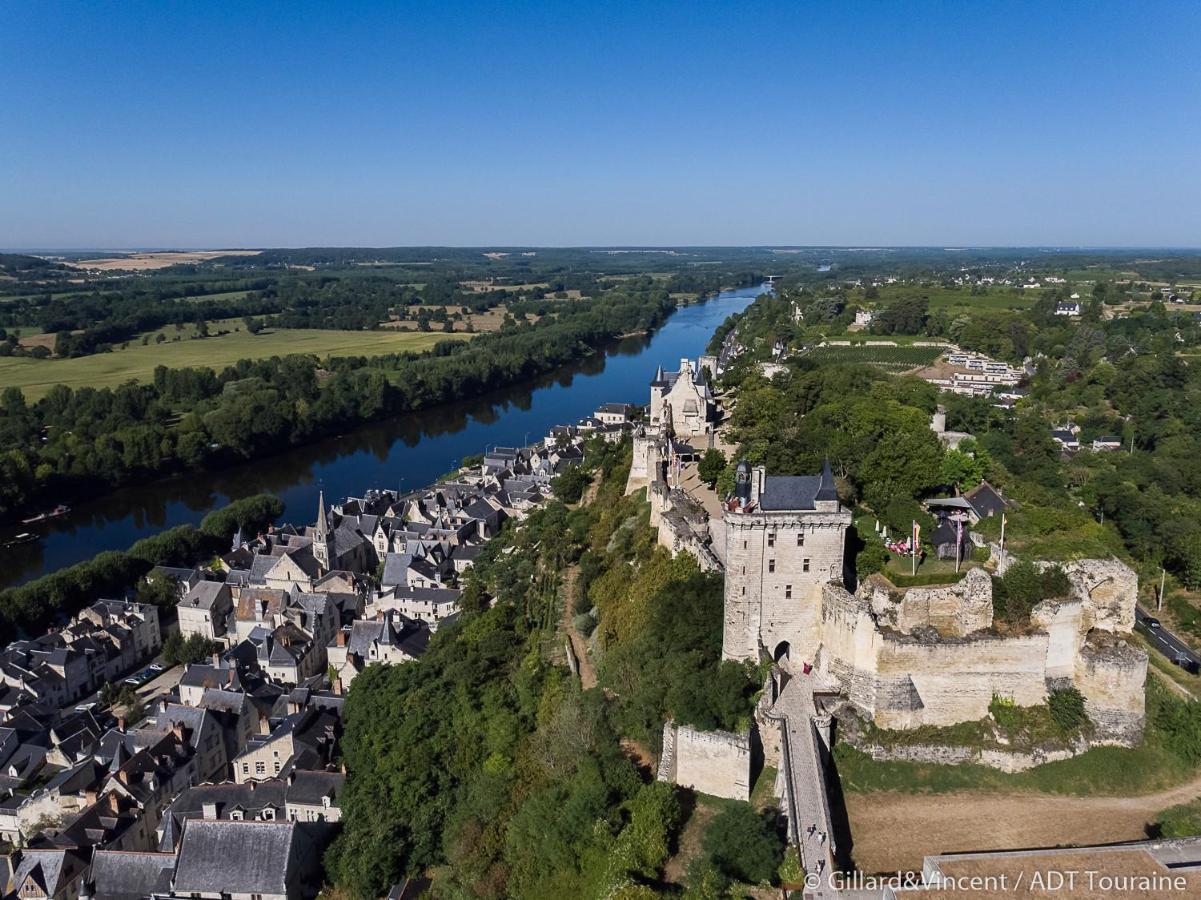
{"x":958,"y":298}
{"x":892,"y":359}
{"x":137,"y":362}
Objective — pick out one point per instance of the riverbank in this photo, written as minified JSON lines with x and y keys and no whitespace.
{"x":399,"y":452}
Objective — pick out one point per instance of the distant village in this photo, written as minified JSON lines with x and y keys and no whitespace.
{"x":219,"y":778}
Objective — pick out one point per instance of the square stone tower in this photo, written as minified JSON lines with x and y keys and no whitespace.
{"x":785,"y":538}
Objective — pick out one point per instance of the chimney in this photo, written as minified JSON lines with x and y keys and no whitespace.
{"x":230,"y":676}
{"x":758,"y":479}
{"x":89,"y":796}
{"x":121,"y":723}
{"x":341,"y":638}
{"x":210,"y":810}
{"x":113,"y":801}
{"x":253,"y":784}
{"x":292,"y":777}
{"x":177,"y":730}
{"x":216,"y":660}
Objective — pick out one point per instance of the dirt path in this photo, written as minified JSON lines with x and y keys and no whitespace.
{"x":894,"y":830}
{"x":578,"y":646}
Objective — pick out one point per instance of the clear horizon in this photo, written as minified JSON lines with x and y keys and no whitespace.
{"x":135,"y":126}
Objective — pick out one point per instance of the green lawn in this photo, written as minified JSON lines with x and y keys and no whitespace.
{"x":137,"y":362}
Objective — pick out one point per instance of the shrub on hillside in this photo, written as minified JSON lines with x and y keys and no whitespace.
{"x":1024,"y":586}
{"x":744,"y":845}
{"x":1067,"y":709}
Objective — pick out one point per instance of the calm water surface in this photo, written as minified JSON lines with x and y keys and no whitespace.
{"x":407,"y":452}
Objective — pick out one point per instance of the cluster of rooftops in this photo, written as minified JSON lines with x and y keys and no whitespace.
{"x":225,"y":783}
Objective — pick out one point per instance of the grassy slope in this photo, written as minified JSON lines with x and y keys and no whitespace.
{"x":36,"y":377}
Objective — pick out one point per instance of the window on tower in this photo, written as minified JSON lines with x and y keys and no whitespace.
{"x":800,"y":539}
{"x":771,"y":539}
{"x":788,"y":592}
{"x":805,"y":565}
{"x":771,"y":565}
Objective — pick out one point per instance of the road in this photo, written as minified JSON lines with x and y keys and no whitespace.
{"x":1163,"y":640}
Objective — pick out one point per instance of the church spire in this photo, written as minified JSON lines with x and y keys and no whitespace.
{"x":321,"y":534}
{"x":658,"y":374}
{"x":322,"y":521}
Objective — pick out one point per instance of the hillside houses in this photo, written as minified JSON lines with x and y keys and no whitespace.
{"x":101,"y":644}
{"x":232,"y":764}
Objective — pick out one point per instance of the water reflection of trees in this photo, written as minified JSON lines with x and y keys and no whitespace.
{"x":375,"y":454}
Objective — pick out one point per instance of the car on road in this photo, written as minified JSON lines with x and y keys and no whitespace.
{"x":137,"y":679}
{"x":155,"y":668}
{"x":1151,"y":623}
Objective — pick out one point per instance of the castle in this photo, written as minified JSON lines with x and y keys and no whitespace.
{"x":926,"y":655}
{"x":681,"y":422}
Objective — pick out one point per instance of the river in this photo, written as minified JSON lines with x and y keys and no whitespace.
{"x":405,"y":453}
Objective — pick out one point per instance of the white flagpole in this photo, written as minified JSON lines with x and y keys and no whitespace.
{"x":913,"y":549}
{"x":1002,"y":540}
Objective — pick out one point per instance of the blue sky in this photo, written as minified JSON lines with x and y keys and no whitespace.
{"x":257,"y":124}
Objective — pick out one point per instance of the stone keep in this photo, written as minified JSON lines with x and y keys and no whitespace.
{"x":785,"y":538}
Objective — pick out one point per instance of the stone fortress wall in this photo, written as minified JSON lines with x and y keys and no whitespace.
{"x":928,"y":656}
{"x":713,"y":762}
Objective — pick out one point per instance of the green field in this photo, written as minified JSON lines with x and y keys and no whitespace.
{"x":36,"y":376}
{"x":893,"y":359}
{"x":957,"y":298}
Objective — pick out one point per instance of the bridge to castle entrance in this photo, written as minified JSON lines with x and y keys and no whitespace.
{"x":801,"y":783}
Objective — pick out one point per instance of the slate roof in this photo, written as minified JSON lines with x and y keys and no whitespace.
{"x":395,"y":631}
{"x":205,"y":594}
{"x":986,"y":500}
{"x":126,"y":875}
{"x":228,"y":857}
{"x":52,"y":870}
{"x":785,"y":492}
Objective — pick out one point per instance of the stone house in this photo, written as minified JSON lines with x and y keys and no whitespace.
{"x":206,"y":610}
{"x":302,"y":740}
{"x":45,"y":874}
{"x":388,"y":640}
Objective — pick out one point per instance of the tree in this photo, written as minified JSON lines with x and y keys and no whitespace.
{"x":711,"y":466}
{"x":964,"y":466}
{"x":569,"y":487}
{"x":178,"y":650}
{"x":744,"y":844}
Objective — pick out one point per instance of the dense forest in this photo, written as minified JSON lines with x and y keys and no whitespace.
{"x":486,"y":764}
{"x":72,"y":441}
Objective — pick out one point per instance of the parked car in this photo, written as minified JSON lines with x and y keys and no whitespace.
{"x":155,"y":668}
{"x":1151,"y":623}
